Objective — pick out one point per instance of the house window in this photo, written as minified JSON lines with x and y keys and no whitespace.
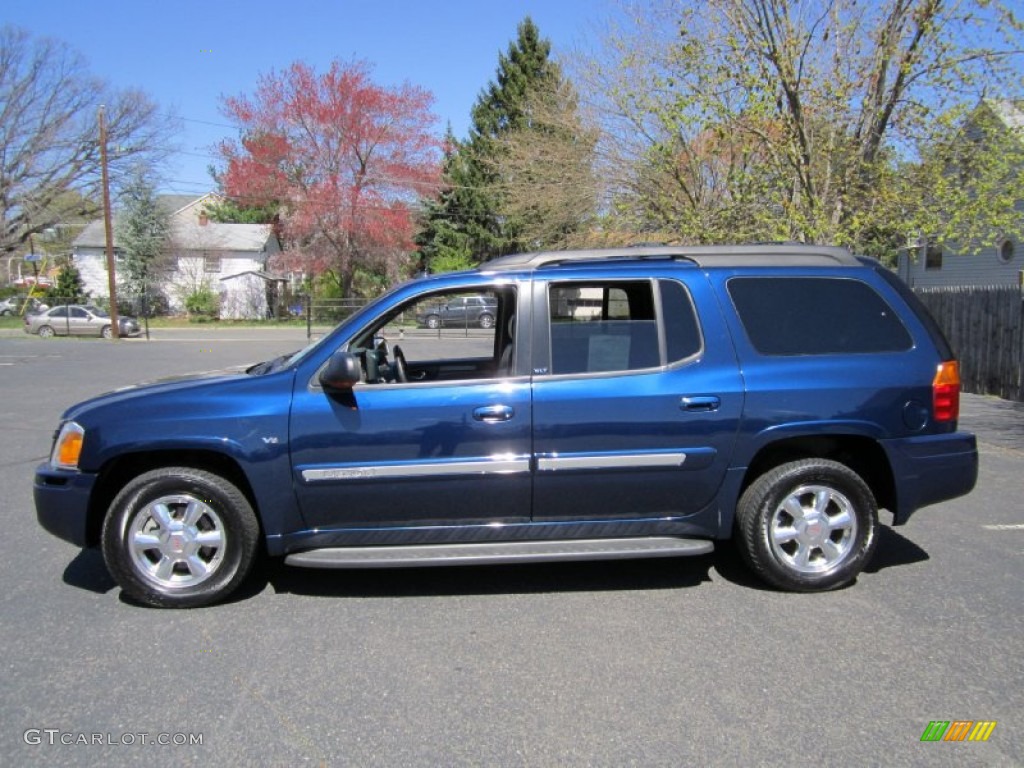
{"x":933,"y":257}
{"x":211,"y":264}
{"x":1006,"y":249}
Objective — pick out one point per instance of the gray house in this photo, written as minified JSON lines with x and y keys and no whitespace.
{"x":228,"y":259}
{"x":1000,"y":261}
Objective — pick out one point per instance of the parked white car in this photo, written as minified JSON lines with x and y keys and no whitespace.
{"x":78,"y":320}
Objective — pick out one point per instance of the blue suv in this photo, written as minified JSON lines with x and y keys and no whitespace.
{"x":638,"y":402}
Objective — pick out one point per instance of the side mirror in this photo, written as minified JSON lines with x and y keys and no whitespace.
{"x":341,"y":373}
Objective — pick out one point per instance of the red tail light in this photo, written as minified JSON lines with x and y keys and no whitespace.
{"x":946,"y":392}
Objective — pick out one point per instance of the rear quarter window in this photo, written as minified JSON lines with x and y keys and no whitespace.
{"x":816,"y":316}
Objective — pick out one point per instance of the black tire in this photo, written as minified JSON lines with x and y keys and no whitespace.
{"x":179,"y":537}
{"x":107,"y":332}
{"x":486,"y":321}
{"x":46,"y":332}
{"x":807,"y":526}
{"x":433,"y":321}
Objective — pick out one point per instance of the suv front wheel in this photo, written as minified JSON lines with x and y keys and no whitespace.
{"x":808,"y":526}
{"x":179,"y":537}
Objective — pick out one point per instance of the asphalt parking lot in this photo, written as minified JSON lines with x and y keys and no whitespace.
{"x":662,"y":662}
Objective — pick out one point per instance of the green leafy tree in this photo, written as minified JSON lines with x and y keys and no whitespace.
{"x":143,"y":230}
{"x":470,"y":219}
{"x":545,"y":173}
{"x":820,"y":120}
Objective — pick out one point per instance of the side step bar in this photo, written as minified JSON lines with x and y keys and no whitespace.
{"x":491,"y":553}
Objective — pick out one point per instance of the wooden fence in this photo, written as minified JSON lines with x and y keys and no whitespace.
{"x":986,"y":328}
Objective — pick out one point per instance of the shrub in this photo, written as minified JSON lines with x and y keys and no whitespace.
{"x":201,"y":305}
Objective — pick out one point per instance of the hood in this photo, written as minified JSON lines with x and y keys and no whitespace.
{"x":164,"y":385}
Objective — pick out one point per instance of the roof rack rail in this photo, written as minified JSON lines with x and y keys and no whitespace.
{"x":746,"y":255}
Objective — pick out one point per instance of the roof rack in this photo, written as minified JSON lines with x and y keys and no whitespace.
{"x":767,"y":255}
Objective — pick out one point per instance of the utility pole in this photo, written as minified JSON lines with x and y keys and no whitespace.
{"x":108,"y":227}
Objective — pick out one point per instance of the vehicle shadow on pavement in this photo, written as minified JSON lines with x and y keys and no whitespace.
{"x":895,"y":549}
{"x":88,"y":572}
{"x":527,"y":578}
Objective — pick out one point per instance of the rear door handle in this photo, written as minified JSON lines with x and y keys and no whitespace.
{"x":494,"y":413}
{"x":700,"y":403}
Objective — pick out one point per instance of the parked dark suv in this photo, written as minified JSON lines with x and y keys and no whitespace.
{"x":640,"y":402}
{"x":459,"y":312}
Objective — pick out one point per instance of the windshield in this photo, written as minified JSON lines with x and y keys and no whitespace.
{"x":369,"y":310}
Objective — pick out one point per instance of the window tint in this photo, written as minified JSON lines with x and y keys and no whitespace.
{"x":598,"y":327}
{"x":682,"y":333}
{"x":816,"y":316}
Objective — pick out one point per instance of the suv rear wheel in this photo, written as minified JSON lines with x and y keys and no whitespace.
{"x":808,"y":525}
{"x":179,"y":537}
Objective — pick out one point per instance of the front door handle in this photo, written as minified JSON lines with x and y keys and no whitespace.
{"x":494,"y":413}
{"x":700,"y":403}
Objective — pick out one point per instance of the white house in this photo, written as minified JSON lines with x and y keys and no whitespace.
{"x":998,"y":262}
{"x":228,"y":259}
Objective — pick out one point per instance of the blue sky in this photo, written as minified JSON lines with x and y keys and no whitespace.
{"x":187,"y":54}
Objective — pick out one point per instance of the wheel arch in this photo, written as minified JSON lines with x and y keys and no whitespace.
{"x":864,"y":455}
{"x":120,"y":470}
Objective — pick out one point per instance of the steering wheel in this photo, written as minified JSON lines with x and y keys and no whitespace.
{"x":381,"y":350}
{"x":398,"y":365}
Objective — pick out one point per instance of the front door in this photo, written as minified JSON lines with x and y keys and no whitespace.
{"x":440,"y":440}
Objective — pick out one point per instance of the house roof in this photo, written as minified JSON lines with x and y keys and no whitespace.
{"x":175,"y":203}
{"x":188,"y":232}
{"x":257,"y":273}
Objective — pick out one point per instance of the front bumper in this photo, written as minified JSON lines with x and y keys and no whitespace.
{"x":62,"y":503}
{"x":930,"y":469}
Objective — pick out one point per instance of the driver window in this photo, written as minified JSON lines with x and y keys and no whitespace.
{"x":442,"y":336}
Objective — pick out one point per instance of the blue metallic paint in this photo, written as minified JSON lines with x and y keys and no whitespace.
{"x":276,"y":425}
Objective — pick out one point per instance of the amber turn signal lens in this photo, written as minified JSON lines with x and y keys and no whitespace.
{"x":68,"y":447}
{"x":946,"y":391}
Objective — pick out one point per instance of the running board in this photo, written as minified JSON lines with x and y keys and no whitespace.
{"x":492,"y":553}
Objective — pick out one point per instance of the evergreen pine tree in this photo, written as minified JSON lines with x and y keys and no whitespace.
{"x":443,"y":245}
{"x":468,"y":218}
{"x":143,"y":229}
{"x":68,"y":288}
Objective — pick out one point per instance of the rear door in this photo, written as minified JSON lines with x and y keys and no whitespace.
{"x":636,"y":401}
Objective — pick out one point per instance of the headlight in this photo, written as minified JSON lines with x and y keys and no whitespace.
{"x":68,"y":446}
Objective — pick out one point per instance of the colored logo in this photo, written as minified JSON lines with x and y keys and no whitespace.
{"x":958,"y":730}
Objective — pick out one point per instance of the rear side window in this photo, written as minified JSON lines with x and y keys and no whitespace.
{"x":917,"y":307}
{"x":682,"y":334}
{"x":598,"y":327}
{"x":816,"y":316}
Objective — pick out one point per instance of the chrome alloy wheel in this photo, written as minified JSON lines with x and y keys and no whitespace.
{"x":176,"y":542}
{"x":813,"y":529}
